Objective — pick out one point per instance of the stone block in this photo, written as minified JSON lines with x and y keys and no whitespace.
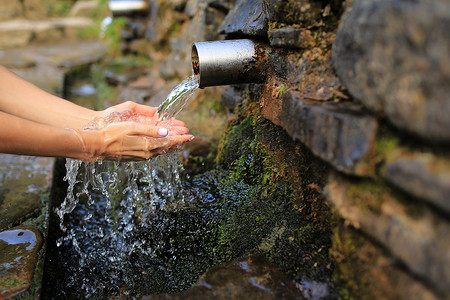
{"x":412,"y":234}
{"x":339,"y":133}
{"x":192,"y":7}
{"x":19,"y":248}
{"x":248,"y":17}
{"x":16,"y":33}
{"x":422,"y":175}
{"x":364,"y":270}
{"x":222,"y":5}
{"x":19,"y":33}
{"x":394,"y":56}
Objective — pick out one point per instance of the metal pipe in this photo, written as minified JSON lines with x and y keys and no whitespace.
{"x":229,"y":62}
{"x":127,"y":7}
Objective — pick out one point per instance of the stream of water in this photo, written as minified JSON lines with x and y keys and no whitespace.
{"x":107,"y":202}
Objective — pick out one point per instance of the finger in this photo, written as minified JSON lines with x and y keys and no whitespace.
{"x":171,"y":122}
{"x":134,"y":128}
{"x":177,"y":130}
{"x":176,"y":122}
{"x":144,"y":110}
{"x":177,"y":140}
{"x":167,"y":142}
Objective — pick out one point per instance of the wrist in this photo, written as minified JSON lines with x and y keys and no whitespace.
{"x":87,"y":144}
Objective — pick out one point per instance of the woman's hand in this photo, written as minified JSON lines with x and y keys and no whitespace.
{"x":141,"y":110}
{"x":124,"y":141}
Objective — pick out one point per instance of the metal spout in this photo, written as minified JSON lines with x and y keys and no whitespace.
{"x":229,"y":62}
{"x":127,"y":7}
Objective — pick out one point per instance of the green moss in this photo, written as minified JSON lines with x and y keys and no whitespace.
{"x":368,"y":194}
{"x":385,"y":144}
{"x":263,"y":214}
{"x":282,"y":89}
{"x":346,"y":245}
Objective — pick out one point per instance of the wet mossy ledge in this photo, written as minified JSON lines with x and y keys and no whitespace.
{"x":277,"y":208}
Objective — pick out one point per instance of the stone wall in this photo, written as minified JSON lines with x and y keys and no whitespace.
{"x":364,"y":86}
{"x":361,"y":89}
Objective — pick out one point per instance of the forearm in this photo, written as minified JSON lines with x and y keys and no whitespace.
{"x":22,"y":99}
{"x":20,"y":136}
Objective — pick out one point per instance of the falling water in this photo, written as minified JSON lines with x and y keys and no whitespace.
{"x":109,"y":201}
{"x":178,"y":97}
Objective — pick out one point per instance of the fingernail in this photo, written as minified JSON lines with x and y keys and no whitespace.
{"x":191,"y":139}
{"x":163,"y":131}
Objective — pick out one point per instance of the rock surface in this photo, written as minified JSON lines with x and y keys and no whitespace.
{"x":19,"y":248}
{"x":45,"y":66}
{"x":422,"y":175}
{"x":19,"y":33}
{"x":414,"y":235}
{"x":248,"y":17}
{"x":21,"y":181}
{"x":394,"y":56}
{"x":339,"y":133}
{"x":251,"y":277}
{"x":378,"y":276}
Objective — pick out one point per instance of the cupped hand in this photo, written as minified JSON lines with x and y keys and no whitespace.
{"x":137,"y":109}
{"x":144,"y":114}
{"x":125,"y":141}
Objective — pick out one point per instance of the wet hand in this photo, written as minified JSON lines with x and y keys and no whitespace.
{"x":144,"y":114}
{"x":143,"y":111}
{"x":124,"y":141}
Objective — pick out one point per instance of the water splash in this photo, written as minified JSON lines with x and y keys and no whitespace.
{"x":106,"y":202}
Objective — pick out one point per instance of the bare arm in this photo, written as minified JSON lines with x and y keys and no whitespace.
{"x":20,"y":136}
{"x":34,"y":122}
{"x":20,"y":98}
{"x":117,"y":141}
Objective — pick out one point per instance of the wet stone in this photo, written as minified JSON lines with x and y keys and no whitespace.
{"x":252,"y":277}
{"x":222,"y":5}
{"x":339,"y":133}
{"x":422,"y":175}
{"x":22,"y":178}
{"x":248,"y":17}
{"x":396,"y":62}
{"x":294,"y":38}
{"x":19,"y":247}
